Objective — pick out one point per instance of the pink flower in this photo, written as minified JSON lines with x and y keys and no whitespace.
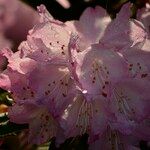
{"x":97,"y":68}
{"x":24,"y":75}
{"x":79,"y":75}
{"x":35,"y":86}
{"x":53,"y":36}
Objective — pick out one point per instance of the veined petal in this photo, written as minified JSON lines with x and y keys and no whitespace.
{"x":130,"y":100}
{"x":113,"y":140}
{"x":15,"y":83}
{"x":53,"y":85}
{"x":51,"y":35}
{"x":42,"y":125}
{"x":84,"y":116}
{"x":98,"y":67}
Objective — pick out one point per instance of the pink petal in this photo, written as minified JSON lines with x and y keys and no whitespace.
{"x":44,"y":14}
{"x":56,"y":87}
{"x":98,"y":67}
{"x":47,"y":39}
{"x":146,"y":46}
{"x":138,"y":62}
{"x":42,"y":125}
{"x":92,"y":30}
{"x":84,"y":117}
{"x":20,"y":113}
{"x":130,"y":101}
{"x":5,"y":82}
{"x":124,"y":32}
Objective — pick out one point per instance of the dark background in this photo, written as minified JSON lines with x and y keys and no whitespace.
{"x":78,"y":6}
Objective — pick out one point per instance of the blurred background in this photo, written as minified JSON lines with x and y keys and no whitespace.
{"x":78,"y":6}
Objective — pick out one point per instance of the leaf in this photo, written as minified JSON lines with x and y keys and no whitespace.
{"x":5,"y":98}
{"x":9,"y":128}
{"x":3,"y":118}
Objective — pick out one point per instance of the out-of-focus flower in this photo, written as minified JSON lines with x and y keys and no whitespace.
{"x":80,"y":77}
{"x":64,"y":3}
{"x":16,"y":18}
{"x":4,"y":42}
{"x":144,"y":16}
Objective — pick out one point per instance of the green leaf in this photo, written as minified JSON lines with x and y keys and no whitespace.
{"x":5,"y":98}
{"x":3,"y":118}
{"x":9,"y":128}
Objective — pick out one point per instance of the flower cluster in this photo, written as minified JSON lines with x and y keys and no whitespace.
{"x":88,"y":76}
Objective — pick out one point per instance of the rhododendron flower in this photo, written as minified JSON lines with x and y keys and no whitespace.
{"x":55,"y":42}
{"x":16,"y":18}
{"x":78,"y":77}
{"x":24,"y":79}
